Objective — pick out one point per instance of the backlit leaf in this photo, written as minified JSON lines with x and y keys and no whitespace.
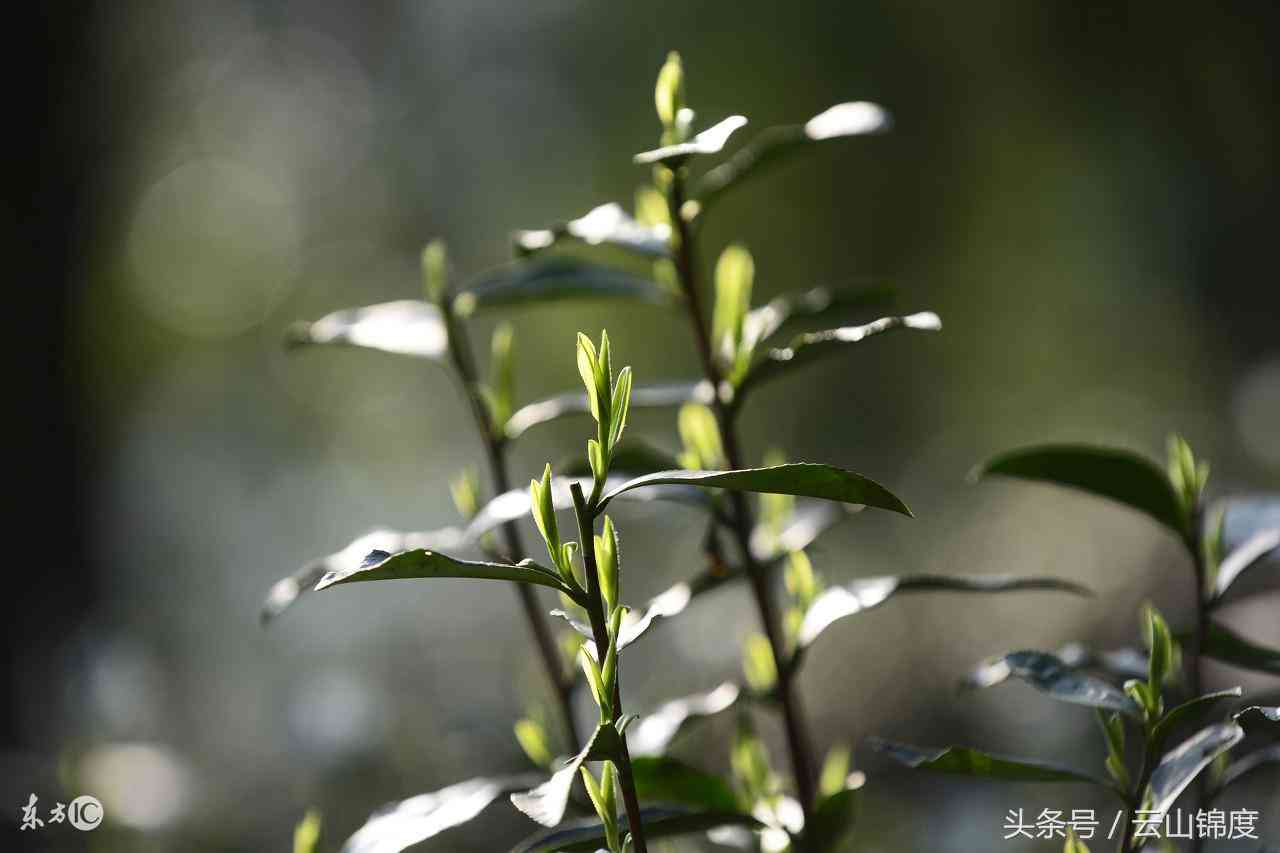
{"x":288,"y":590}
{"x":971,"y":762}
{"x":709,"y":141}
{"x":769,"y":319}
{"x":775,"y":144}
{"x":556,"y":279}
{"x":837,"y":602}
{"x":1187,"y":710}
{"x":546,"y":803}
{"x":1244,"y":556}
{"x":1180,"y":766}
{"x":664,"y":395}
{"x":1050,"y":675}
{"x":653,"y":732}
{"x":804,"y":479}
{"x":420,"y":563}
{"x":814,"y":346}
{"x":408,"y":822}
{"x":607,"y":225}
{"x":404,"y":327}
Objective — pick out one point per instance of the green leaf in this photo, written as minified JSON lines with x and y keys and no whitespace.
{"x":835,"y":770}
{"x":546,"y":803}
{"x":1124,"y":663}
{"x":514,"y":505}
{"x":838,"y":602}
{"x":735,"y":273}
{"x":814,"y":346}
{"x":435,"y":271}
{"x":664,"y":780}
{"x":285,"y":592}
{"x":1161,"y":648}
{"x":401,"y":825}
{"x":404,"y":327}
{"x":971,"y":762}
{"x":1121,"y":475}
{"x":1073,"y":843}
{"x":665,"y":395}
{"x":668,"y":92}
{"x":532,"y":737}
{"x":421,"y":563}
{"x":1247,"y":764}
{"x":1050,"y":675}
{"x":775,"y":144}
{"x":1222,"y":644}
{"x":665,"y":605}
{"x":587,"y":836}
{"x":1187,"y":710}
{"x":804,"y":479}
{"x":710,"y":141}
{"x":1269,"y":713}
{"x":769,"y":319}
{"x":1180,"y":766}
{"x":654,"y":732}
{"x":556,"y":279}
{"x":607,"y":225}
{"x":306,"y":835}
{"x":834,"y":819}
{"x":1254,"y":549}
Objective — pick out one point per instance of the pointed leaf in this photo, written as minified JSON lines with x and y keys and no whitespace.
{"x":1121,"y":475}
{"x":556,"y":279}
{"x":1247,"y":764}
{"x":665,"y":780}
{"x":546,"y":803}
{"x":607,"y":225}
{"x":1050,"y":675}
{"x":971,"y":762}
{"x":404,"y":327}
{"x":587,"y":836}
{"x":805,"y":479}
{"x":834,"y":819}
{"x":421,"y":563}
{"x":307,"y":834}
{"x":1222,"y":644}
{"x":515,"y":505}
{"x":1187,"y":710}
{"x":710,"y":141}
{"x":837,"y":602}
{"x":814,"y":346}
{"x":1180,"y":766}
{"x":408,"y":822}
{"x":664,"y":395}
{"x":1235,"y":563}
{"x":776,"y":143}
{"x":769,"y":319}
{"x":287,"y":591}
{"x":1123,"y":663}
{"x":1269,"y":713}
{"x":653,"y":732}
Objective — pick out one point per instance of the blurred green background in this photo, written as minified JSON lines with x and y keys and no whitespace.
{"x":1085,"y":192}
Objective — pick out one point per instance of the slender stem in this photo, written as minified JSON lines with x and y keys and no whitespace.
{"x":600,"y":634}
{"x":1195,"y":675}
{"x":741,"y":520}
{"x":1135,"y":800}
{"x":496,"y":454}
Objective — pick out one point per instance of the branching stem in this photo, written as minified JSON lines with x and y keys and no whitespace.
{"x":496,"y":455}
{"x":741,"y":519}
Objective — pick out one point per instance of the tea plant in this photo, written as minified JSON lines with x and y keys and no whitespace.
{"x":1160,"y":692}
{"x":653,"y":257}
